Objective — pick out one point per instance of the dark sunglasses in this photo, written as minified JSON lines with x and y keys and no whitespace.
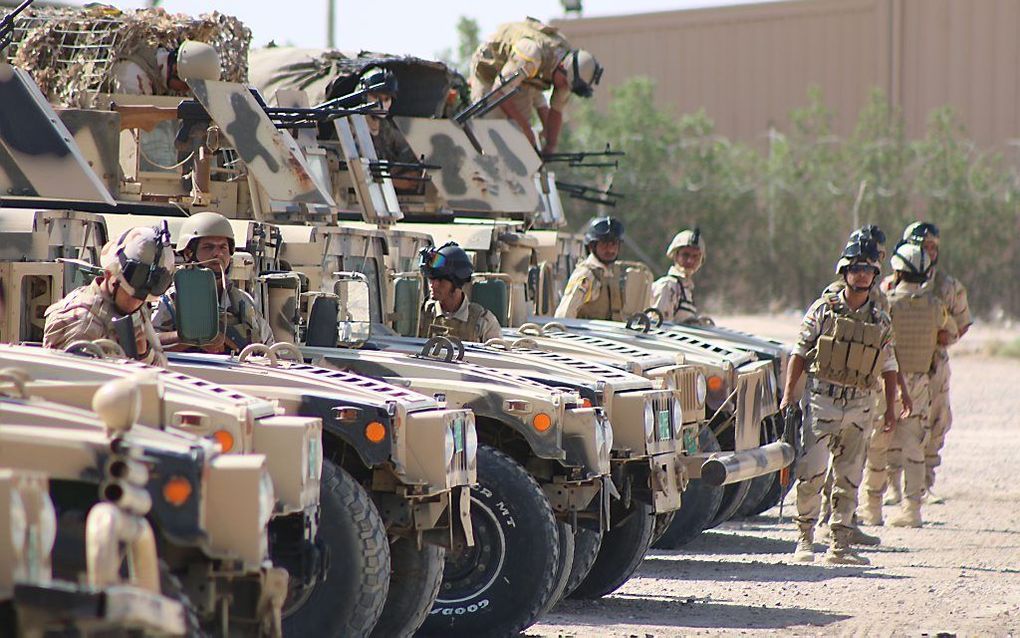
{"x":147,"y":279}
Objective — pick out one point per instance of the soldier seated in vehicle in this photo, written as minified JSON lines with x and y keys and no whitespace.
{"x":390,"y":144}
{"x":449,"y":312}
{"x":137,"y":268}
{"x":593,"y":290}
{"x":847,"y":342}
{"x":208,"y":239}
{"x":673,"y":294}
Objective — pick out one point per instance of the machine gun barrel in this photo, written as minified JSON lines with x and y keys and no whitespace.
{"x":607,"y":197}
{"x":580,"y":159}
{"x":7,"y":24}
{"x":488,"y":101}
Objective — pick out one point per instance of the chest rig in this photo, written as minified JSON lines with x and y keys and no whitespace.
{"x":849,"y":353}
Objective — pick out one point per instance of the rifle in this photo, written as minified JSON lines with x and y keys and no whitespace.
{"x":7,"y":24}
{"x":607,"y":197}
{"x":579,"y":160}
{"x":793,"y":422}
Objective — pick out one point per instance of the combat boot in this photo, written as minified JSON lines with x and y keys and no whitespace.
{"x":910,"y":514}
{"x":841,"y":551}
{"x":870,"y":511}
{"x":895,"y":493}
{"x":860,"y":537}
{"x":931,"y":498}
{"x":805,"y":551}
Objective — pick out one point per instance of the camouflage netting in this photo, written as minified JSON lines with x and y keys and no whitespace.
{"x":71,"y":52}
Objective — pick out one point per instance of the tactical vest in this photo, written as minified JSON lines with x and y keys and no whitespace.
{"x":609,"y":303}
{"x":915,"y":324}
{"x":493,"y":55}
{"x":442,"y":325}
{"x":683,"y":302}
{"x":849,"y":353}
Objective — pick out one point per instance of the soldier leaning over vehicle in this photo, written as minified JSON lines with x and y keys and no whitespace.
{"x":137,"y":268}
{"x":847,"y":342}
{"x":593,"y":290}
{"x":163,"y":71}
{"x":449,"y":312}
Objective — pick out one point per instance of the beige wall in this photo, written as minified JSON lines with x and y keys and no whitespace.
{"x":747,"y":66}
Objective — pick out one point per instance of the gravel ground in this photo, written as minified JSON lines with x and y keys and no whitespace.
{"x":959,"y":574}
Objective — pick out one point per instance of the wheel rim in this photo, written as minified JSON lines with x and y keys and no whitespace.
{"x":470,"y":571}
{"x":296,"y":598}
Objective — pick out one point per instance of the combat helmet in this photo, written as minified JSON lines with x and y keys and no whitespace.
{"x":683,"y":239}
{"x":449,"y":262}
{"x":197,"y":61}
{"x":920,"y":232}
{"x":602,"y":229}
{"x":141,"y":260}
{"x":863,"y":250}
{"x":911,"y":262}
{"x":583,"y":72}
{"x":374,"y":76}
{"x":871,"y":231}
{"x":204,"y":225}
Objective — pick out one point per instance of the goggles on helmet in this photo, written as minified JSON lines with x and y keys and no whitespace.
{"x":147,"y":279}
{"x":430,"y":258}
{"x":924,"y":229}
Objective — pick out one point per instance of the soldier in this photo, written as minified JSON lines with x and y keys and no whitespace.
{"x":162,"y":71}
{"x":921,"y":321}
{"x":954,"y":295}
{"x":847,"y":340}
{"x":137,"y":268}
{"x":207,"y":238}
{"x":593,"y":290}
{"x":449,"y":312}
{"x":390,"y":144}
{"x":546,"y":61}
{"x":673,"y":294}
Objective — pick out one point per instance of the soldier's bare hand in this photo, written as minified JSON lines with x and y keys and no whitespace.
{"x":945,"y":337}
{"x":908,"y":405}
{"x":889,"y":421}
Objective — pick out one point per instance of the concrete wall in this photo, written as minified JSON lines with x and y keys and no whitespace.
{"x":747,"y":66}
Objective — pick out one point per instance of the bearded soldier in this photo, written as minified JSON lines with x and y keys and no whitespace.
{"x":593,"y":290}
{"x":449,"y":312}
{"x":846,"y":343}
{"x":921,"y":321}
{"x":208,"y":239}
{"x":544,"y":60}
{"x":137,"y":268}
{"x":673,"y":294}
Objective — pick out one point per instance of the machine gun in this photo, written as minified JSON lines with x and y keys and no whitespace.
{"x":607,"y":197}
{"x":385,"y":169}
{"x":488,"y":101}
{"x":580,"y":159}
{"x":7,"y":24}
{"x":793,"y":421}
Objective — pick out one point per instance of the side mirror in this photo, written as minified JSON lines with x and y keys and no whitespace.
{"x":196,"y":307}
{"x":322,"y":330}
{"x":354,"y":307}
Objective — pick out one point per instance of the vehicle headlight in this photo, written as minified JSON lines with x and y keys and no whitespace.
{"x":450,"y":446}
{"x":678,"y":418}
{"x":19,"y":522}
{"x":47,"y":526}
{"x":701,"y":387}
{"x":470,"y":441}
{"x":267,"y":499}
{"x":649,"y":422}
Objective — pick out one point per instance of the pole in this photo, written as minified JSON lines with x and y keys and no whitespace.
{"x":331,"y":24}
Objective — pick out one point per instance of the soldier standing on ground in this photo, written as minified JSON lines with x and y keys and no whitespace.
{"x":545,"y":60}
{"x":593,"y":290}
{"x":920,"y":321}
{"x":208,"y":239}
{"x":954,"y":295}
{"x":449,"y":312}
{"x":390,"y":144}
{"x":847,"y":342}
{"x":137,"y":268}
{"x":673,"y":294}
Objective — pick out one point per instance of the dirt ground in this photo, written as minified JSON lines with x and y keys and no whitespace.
{"x":959,"y":574}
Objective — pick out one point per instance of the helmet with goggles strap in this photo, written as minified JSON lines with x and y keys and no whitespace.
{"x":861,"y":251}
{"x":917,"y":232}
{"x":449,"y":262}
{"x":141,"y":260}
{"x":583,"y":72}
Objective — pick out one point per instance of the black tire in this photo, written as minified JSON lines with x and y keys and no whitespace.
{"x":170,"y":586}
{"x":734,"y":493}
{"x":586,"y":549}
{"x":775,"y":494}
{"x":349,"y":600}
{"x":662,"y":523}
{"x":623,"y":548}
{"x":698,"y":504}
{"x":415,"y":577}
{"x":760,"y":485}
{"x":564,"y":566}
{"x":500,"y":586}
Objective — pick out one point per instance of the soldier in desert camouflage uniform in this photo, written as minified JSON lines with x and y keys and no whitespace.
{"x":593,"y":290}
{"x":390,"y":144}
{"x":137,"y":269}
{"x":450,"y":312}
{"x":847,"y":341}
{"x":673,"y":294}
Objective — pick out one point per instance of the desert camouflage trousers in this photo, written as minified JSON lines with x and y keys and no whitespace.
{"x":940,"y":416}
{"x":836,"y":438}
{"x":903,"y":447}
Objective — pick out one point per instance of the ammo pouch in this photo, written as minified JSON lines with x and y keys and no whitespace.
{"x":916,"y":329}
{"x":850,"y":355}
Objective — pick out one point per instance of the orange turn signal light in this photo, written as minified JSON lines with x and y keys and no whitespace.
{"x":225,"y":439}
{"x":586,"y":403}
{"x":375,"y":432}
{"x":177,"y":490}
{"x":541,"y":422}
{"x":715,"y":383}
